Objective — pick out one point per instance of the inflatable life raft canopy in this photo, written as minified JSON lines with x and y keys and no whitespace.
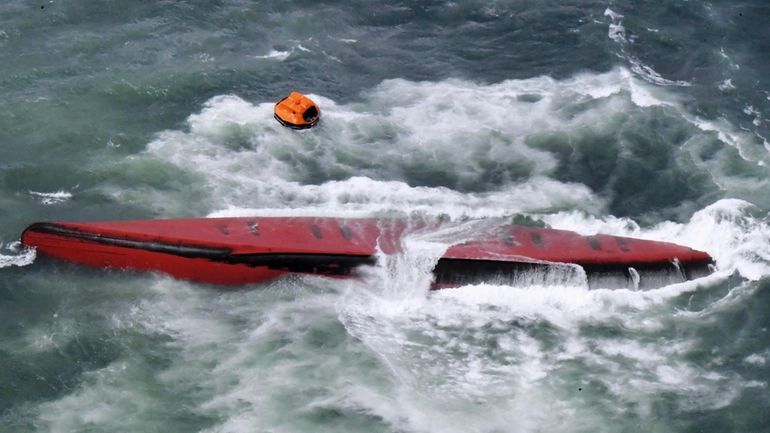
{"x":297,"y":111}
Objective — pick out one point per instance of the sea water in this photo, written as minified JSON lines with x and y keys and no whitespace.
{"x":643,"y":119}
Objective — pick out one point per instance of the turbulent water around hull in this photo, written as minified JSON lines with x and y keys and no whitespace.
{"x":381,"y":354}
{"x":542,"y":356}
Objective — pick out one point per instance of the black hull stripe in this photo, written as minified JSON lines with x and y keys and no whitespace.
{"x":190,"y":251}
{"x":330,"y":264}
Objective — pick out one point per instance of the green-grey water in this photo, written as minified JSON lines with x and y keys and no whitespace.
{"x":646,"y":119}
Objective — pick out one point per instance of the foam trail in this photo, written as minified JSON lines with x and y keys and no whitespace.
{"x":276,"y":55}
{"x":617,"y":32}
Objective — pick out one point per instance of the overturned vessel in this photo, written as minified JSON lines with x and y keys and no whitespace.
{"x":232,"y":251}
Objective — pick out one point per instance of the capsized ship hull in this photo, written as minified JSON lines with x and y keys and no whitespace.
{"x":234,"y":251}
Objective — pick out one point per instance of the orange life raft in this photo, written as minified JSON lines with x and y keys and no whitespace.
{"x":297,"y":111}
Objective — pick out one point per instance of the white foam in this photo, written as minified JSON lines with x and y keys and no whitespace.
{"x":612,"y":14}
{"x":475,"y":343}
{"x":723,"y":53}
{"x":650,"y":75}
{"x":331,"y":57}
{"x":275,"y":55}
{"x":731,"y":63}
{"x":749,"y":110}
{"x":643,"y":96}
{"x":205,"y":58}
{"x":49,"y":198}
{"x":19,"y":256}
{"x":617,"y":33}
{"x":755,"y":359}
{"x":262,"y":172}
{"x":400,"y":128}
{"x":361,"y":196}
{"x":726,"y":85}
{"x":616,"y":30}
{"x":727,"y":134}
{"x":296,"y":48}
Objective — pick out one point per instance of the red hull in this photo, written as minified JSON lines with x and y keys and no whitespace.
{"x":249,"y":250}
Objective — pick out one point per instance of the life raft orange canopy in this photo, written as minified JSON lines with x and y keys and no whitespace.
{"x":297,"y":111}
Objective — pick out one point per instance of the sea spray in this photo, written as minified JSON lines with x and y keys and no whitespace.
{"x":730,"y":230}
{"x":20,"y":256}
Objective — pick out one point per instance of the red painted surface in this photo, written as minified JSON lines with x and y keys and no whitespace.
{"x":324,"y":236}
{"x":562,"y":246}
{"x":259,"y":235}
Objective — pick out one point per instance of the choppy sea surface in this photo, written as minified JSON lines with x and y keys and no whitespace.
{"x":641,"y":118}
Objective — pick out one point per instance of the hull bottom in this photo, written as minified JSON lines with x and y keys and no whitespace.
{"x":223,"y":256}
